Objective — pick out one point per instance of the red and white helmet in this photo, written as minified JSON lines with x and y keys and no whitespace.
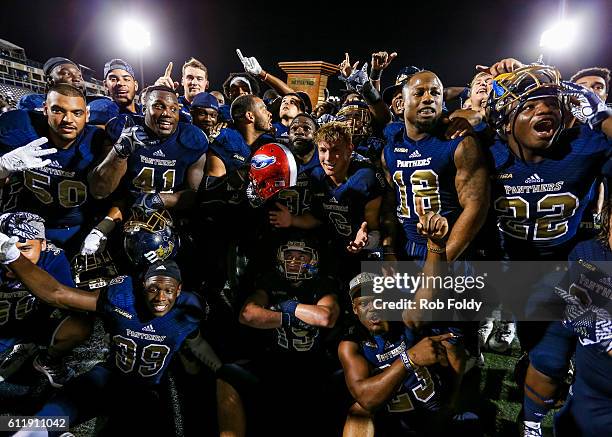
{"x":273,"y":168}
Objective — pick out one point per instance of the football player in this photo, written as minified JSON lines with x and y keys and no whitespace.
{"x":346,"y":197}
{"x":358,"y":119}
{"x":298,"y":305}
{"x":292,"y":104}
{"x":56,"y":70}
{"x":159,"y":159}
{"x":26,"y":319}
{"x":447,"y":175}
{"x":587,"y":317}
{"x":147,"y":324}
{"x":122,"y":86}
{"x":57,"y":189}
{"x":542,"y":183}
{"x":391,"y":370}
{"x":205,"y":112}
{"x":597,"y":79}
{"x":392,"y":95}
{"x":194,"y":81}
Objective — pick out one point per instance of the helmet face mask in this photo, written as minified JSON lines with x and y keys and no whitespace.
{"x":511,"y":90}
{"x":150,"y":238}
{"x":94,"y":271}
{"x":357,"y":119}
{"x":297,"y":261}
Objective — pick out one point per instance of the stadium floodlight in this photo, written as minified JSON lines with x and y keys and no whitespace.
{"x":135,"y":35}
{"x":559,"y":37}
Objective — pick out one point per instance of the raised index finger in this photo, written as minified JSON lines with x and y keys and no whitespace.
{"x":168,"y":71}
{"x":419,"y":206}
{"x":239,"y":53}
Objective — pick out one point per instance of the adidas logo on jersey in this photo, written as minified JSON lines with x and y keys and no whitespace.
{"x":159,"y":153}
{"x":415,"y":154}
{"x":55,"y":164}
{"x":161,"y":267}
{"x":534,"y":179}
{"x":149,"y":328}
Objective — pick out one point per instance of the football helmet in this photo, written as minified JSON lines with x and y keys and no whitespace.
{"x":94,"y":271}
{"x":149,"y":238}
{"x":297,"y":260}
{"x":511,"y":90}
{"x":273,"y":168}
{"x":357,"y":118}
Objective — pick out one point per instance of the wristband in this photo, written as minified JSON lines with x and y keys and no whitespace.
{"x":408,"y":363}
{"x":375,"y":74}
{"x":106,"y":226}
{"x":370,"y":94}
{"x":265,"y":76}
{"x":435,"y":249}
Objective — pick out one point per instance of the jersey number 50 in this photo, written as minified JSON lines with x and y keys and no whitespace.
{"x":70,"y":193}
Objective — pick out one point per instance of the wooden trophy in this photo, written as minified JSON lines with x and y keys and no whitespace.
{"x":310,"y":77}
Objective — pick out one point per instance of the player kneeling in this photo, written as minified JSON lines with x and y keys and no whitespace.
{"x":146,"y":325}
{"x":394,"y":371}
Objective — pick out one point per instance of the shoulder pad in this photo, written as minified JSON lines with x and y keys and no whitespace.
{"x":102,"y":110}
{"x":391,"y":130}
{"x":17,"y":127}
{"x":192,"y":137}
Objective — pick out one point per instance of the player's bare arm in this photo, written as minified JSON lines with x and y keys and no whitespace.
{"x":373,"y":392}
{"x":255,"y":314}
{"x":473,"y":188}
{"x":324,"y":314}
{"x":47,"y":288}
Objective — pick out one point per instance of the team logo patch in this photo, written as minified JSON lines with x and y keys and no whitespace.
{"x":262,"y":161}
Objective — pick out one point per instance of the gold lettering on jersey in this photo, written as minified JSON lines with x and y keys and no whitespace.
{"x":19,"y":293}
{"x":392,"y":353}
{"x":504,"y":176}
{"x":155,"y":161}
{"x":56,"y":172}
{"x":144,"y":335}
{"x":528,"y":189}
{"x":414,"y":163}
{"x":400,"y":150}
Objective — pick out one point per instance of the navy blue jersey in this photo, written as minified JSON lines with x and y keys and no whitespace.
{"x":229,"y":146}
{"x":19,"y":308}
{"x":161,"y":167}
{"x":184,"y":114}
{"x":371,"y":148}
{"x":590,"y":279}
{"x":32,"y":102}
{"x":420,"y":390}
{"x":309,"y":292}
{"x":141,"y":345}
{"x":281,"y":129}
{"x":298,"y":198}
{"x":342,"y":207}
{"x":539,"y":206}
{"x":422,"y":169}
{"x":57,"y":192}
{"x":102,"y":110}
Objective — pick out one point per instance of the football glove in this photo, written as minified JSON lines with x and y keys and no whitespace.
{"x":93,"y":242}
{"x":250,"y":64}
{"x":590,"y":109}
{"x":356,"y":79}
{"x":8,"y":249}
{"x":25,"y":157}
{"x":132,"y":137}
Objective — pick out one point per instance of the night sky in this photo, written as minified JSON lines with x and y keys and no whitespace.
{"x":448,"y":37}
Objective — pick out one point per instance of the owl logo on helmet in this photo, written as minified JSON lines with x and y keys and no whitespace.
{"x":272,"y":169}
{"x":94,"y":271}
{"x":297,"y":261}
{"x":511,"y":90}
{"x":149,"y":238}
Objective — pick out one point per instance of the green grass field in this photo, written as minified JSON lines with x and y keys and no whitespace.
{"x":492,"y":393}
